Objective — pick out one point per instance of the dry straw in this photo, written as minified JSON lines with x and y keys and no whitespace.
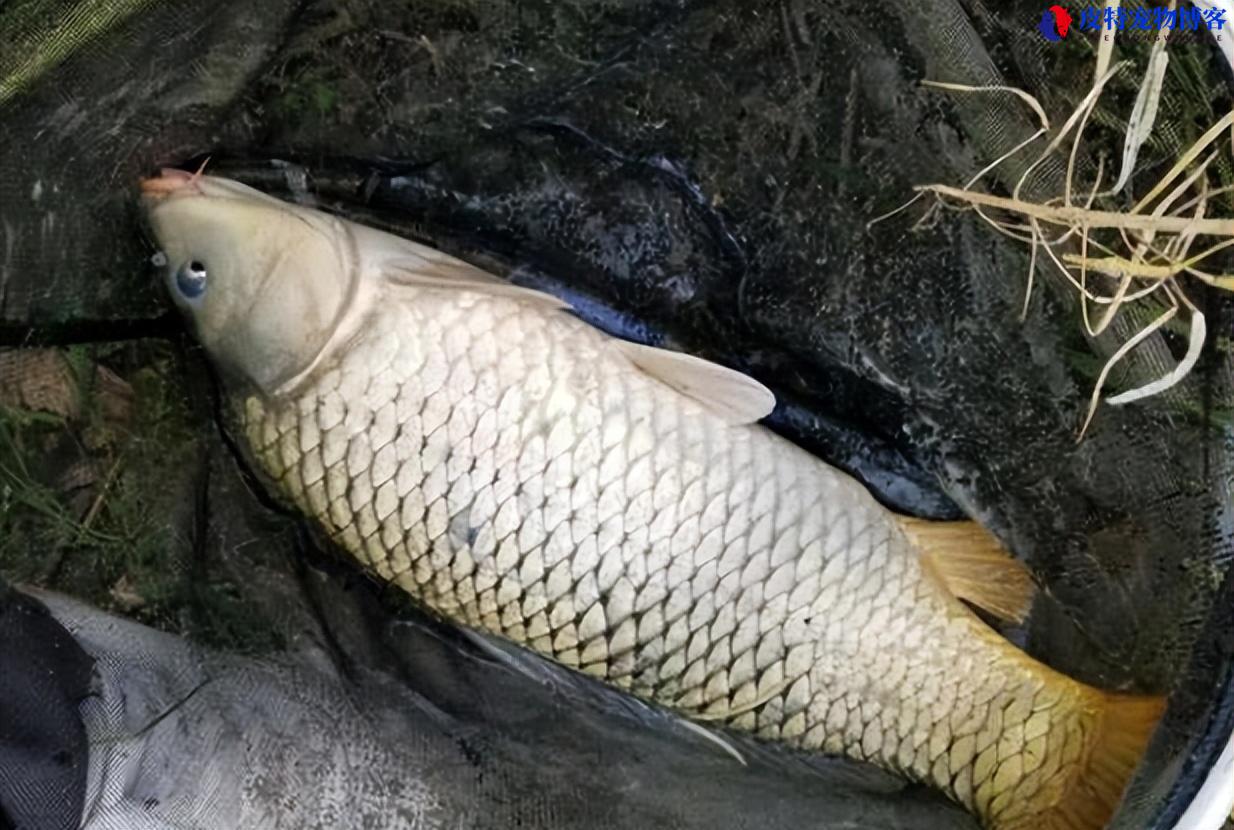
{"x":1140,"y":253}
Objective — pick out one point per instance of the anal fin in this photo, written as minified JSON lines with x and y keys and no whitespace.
{"x":974,"y":566}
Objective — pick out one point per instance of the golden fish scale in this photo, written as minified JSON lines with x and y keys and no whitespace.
{"x":509,"y":469}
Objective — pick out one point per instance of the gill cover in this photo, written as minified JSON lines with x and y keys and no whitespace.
{"x":264,"y":283}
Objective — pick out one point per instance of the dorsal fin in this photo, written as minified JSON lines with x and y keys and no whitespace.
{"x":731,"y":395}
{"x":737,"y":398}
{"x":446,"y":272}
{"x":973,"y":565}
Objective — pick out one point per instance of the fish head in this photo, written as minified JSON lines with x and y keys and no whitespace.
{"x":262,"y":282}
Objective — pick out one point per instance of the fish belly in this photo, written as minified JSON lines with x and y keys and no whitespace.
{"x":509,"y":469}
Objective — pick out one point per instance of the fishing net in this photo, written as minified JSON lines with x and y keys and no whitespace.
{"x":697,"y":175}
{"x":183,"y":736}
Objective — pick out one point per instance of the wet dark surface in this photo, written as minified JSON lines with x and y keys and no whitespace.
{"x":702,"y":176}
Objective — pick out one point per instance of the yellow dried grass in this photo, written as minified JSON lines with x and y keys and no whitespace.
{"x":1156,"y":242}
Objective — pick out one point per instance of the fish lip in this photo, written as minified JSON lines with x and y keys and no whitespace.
{"x":169,"y":181}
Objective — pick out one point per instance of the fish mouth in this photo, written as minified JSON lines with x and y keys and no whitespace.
{"x":169,"y":181}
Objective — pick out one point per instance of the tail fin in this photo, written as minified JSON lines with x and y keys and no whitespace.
{"x":1094,"y":792}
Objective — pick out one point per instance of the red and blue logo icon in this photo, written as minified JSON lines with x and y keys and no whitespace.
{"x":1055,"y":21}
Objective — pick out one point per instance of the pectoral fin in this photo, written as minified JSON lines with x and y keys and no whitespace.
{"x":974,"y":566}
{"x":737,"y":398}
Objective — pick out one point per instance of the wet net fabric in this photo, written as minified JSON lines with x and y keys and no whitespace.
{"x":697,"y":175}
{"x":183,"y":737}
{"x":162,"y":73}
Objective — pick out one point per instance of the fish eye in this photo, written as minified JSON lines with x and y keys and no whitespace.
{"x":191,"y":279}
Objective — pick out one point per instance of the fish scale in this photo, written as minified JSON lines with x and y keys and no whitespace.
{"x":511,"y":471}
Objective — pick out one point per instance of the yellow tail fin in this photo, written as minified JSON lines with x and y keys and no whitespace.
{"x":973,"y":565}
{"x":1122,"y":732}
